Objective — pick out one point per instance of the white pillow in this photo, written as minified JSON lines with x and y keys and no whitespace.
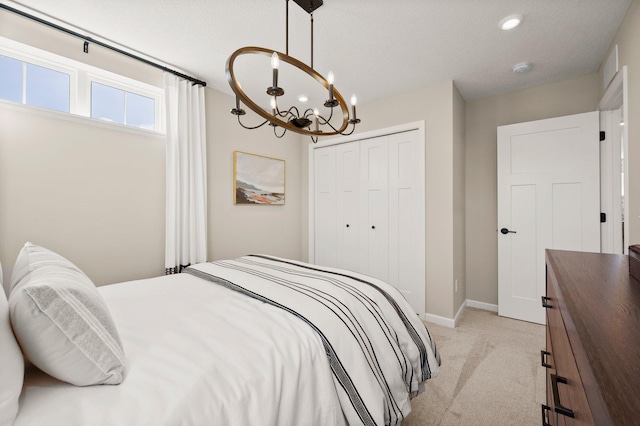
{"x":11,"y":367}
{"x":62,"y":322}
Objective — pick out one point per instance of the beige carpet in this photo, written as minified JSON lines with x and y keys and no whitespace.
{"x":490,"y":374}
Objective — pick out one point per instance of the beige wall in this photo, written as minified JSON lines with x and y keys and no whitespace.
{"x":92,"y":191}
{"x":628,"y":40}
{"x":236,"y":230}
{"x":567,"y":97}
{"x":95,"y":192}
{"x":435,"y":106}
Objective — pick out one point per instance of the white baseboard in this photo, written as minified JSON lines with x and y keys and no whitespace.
{"x":437,"y":319}
{"x":482,"y":305}
{"x":452,"y":323}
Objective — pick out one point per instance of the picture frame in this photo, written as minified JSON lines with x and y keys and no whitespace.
{"x":258,"y":180}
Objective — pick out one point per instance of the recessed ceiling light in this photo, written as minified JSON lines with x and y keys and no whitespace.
{"x":522,"y":67}
{"x":303,"y":98}
{"x":511,"y":21}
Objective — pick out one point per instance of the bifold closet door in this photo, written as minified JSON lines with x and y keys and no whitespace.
{"x":406,"y":218}
{"x":374,"y":205}
{"x":348,"y":226}
{"x":325,"y":220}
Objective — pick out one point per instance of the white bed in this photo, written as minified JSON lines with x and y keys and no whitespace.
{"x":198,"y":352}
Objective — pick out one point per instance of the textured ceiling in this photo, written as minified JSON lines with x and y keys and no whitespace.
{"x":376,"y":48}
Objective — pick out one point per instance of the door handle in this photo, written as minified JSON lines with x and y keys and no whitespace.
{"x":505,"y":231}
{"x":544,"y":302}
{"x":543,"y":353}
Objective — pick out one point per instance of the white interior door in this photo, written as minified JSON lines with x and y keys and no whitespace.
{"x":374,"y":195}
{"x":548,"y":197}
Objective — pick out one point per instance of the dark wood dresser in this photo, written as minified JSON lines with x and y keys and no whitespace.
{"x":593,"y":340}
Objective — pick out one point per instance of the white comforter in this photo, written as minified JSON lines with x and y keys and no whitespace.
{"x":197,"y":354}
{"x":341,"y":348}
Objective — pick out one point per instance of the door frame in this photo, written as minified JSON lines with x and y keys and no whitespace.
{"x":615,"y":97}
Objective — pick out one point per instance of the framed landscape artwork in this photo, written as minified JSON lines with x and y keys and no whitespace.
{"x":258,"y":179}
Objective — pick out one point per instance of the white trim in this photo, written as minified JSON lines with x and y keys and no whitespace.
{"x":482,"y":305}
{"x":436,"y":319}
{"x":416,"y":125}
{"x":461,"y":310}
{"x":447,"y":322}
{"x":453,"y":323}
{"x":5,"y":104}
{"x":625,"y":142}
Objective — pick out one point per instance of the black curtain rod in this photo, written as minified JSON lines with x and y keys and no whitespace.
{"x":99,"y":43}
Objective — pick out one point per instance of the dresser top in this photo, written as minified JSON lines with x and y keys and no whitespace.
{"x":600,"y":305}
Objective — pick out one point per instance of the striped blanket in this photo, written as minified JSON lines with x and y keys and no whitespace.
{"x":379,"y":351}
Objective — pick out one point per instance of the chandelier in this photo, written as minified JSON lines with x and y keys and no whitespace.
{"x":313,"y":122}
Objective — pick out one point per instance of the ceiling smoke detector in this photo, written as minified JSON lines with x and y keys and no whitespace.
{"x":522,"y":67}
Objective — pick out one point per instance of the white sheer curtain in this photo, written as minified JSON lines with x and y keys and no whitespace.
{"x":186,"y":230}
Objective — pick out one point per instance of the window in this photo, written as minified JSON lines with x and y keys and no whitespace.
{"x":120,"y":106}
{"x":34,"y":77}
{"x":34,"y":85}
{"x":11,"y":83}
{"x":47,"y":88}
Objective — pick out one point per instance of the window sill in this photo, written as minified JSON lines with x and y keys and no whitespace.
{"x":65,"y":116}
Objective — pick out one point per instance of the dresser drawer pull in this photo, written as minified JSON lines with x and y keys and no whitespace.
{"x":545,"y":410}
{"x":542,"y":360}
{"x":544,"y":302}
{"x":555,"y":379}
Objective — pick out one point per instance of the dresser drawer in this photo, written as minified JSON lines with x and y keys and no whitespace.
{"x":565,"y":393}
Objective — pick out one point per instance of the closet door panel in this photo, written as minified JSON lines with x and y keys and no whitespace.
{"x":348,"y":206}
{"x":374,"y":196}
{"x":406,"y":207}
{"x":325,"y":221}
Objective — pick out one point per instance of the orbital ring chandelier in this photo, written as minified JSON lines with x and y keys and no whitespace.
{"x":307,"y":122}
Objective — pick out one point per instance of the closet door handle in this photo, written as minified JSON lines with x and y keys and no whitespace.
{"x":544,"y":302}
{"x":542,"y":360}
{"x":558,"y":407}
{"x":373,"y":227}
{"x":347,"y":225}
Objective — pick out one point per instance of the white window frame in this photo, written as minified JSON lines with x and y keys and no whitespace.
{"x":81,"y":76}
{"x":127,"y":85}
{"x":46,"y":62}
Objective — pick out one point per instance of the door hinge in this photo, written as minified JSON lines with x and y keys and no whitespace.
{"x":602,"y":135}
{"x":603,"y":217}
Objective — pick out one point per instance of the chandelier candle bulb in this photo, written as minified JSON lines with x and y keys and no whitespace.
{"x":275,"y":63}
{"x":273,"y":105}
{"x":330,"y":79}
{"x":354,"y":101}
{"x":316,"y":113}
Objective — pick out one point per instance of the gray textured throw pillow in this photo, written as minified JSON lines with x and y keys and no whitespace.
{"x":61,"y":321}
